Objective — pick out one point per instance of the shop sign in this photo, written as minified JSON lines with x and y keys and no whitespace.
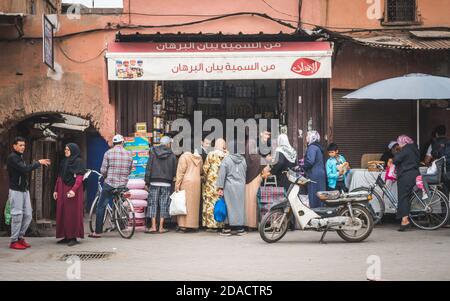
{"x":47,"y":42}
{"x":219,"y":61}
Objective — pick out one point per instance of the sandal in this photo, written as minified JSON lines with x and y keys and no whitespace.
{"x":150,"y":231}
{"x":163,"y":231}
{"x":94,"y":236}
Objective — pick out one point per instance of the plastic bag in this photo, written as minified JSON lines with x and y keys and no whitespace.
{"x":178,"y":203}
{"x":8,"y":212}
{"x":220,"y":210}
{"x":391,"y":173}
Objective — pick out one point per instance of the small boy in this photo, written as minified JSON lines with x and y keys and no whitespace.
{"x":337,"y":168}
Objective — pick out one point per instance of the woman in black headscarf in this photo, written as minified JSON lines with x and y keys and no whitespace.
{"x":69,"y":196}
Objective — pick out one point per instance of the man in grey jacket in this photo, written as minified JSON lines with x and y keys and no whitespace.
{"x":159,"y":175}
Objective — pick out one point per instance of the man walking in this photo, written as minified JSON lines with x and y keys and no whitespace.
{"x":159,"y":175}
{"x":116,"y":167}
{"x":19,"y":196}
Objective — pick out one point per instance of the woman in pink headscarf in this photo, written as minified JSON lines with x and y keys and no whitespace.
{"x":407,"y":165}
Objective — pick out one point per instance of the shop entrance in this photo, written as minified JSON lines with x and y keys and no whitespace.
{"x":233,"y":99}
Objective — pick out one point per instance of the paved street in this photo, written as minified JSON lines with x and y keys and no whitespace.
{"x":414,"y":255}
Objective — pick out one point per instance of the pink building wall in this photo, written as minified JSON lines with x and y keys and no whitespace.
{"x":80,"y":87}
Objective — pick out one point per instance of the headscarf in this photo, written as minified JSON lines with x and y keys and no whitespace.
{"x":402,"y":140}
{"x":71,"y":166}
{"x":285,"y":148}
{"x":312,"y":136}
{"x":220,"y":145}
{"x":254,"y":160}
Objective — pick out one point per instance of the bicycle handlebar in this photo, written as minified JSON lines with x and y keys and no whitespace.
{"x":90,"y":171}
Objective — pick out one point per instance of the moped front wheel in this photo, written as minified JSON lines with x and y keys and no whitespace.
{"x":274,"y":225}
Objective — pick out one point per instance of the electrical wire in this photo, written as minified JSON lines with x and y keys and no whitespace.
{"x":278,"y":11}
{"x":78,"y":61}
{"x":262,"y":15}
{"x":218,"y":17}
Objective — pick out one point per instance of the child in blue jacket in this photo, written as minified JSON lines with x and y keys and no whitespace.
{"x":337,"y":168}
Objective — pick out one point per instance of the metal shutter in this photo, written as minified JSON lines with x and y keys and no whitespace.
{"x":367,"y":126}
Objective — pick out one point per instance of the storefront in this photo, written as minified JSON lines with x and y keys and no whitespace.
{"x":158,"y":82}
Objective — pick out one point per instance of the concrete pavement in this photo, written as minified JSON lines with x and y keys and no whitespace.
{"x":414,"y":255}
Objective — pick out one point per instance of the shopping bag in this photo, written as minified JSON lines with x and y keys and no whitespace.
{"x":8,"y":212}
{"x":391,"y":173}
{"x":178,"y":203}
{"x":269,"y":196}
{"x":220,"y":210}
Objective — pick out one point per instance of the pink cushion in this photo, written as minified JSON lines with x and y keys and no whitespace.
{"x":139,"y":215}
{"x":140,"y":222}
{"x":139,"y":209}
{"x":136,"y":184}
{"x":139,"y":203}
{"x":138,"y":194}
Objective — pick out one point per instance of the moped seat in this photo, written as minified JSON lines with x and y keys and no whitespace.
{"x":328,"y":195}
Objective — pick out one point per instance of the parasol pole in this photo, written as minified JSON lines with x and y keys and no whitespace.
{"x":418,"y":123}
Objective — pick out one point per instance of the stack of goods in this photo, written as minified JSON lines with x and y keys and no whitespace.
{"x":159,"y":112}
{"x":375,"y":166}
{"x":139,"y":200}
{"x":139,"y":146}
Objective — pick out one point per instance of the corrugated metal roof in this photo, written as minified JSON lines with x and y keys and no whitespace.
{"x":416,"y":40}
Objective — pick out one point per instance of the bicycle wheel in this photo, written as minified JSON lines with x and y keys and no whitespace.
{"x":107,"y":223}
{"x":124,"y":217}
{"x":376,"y":205}
{"x":92,"y":213}
{"x":431,"y":213}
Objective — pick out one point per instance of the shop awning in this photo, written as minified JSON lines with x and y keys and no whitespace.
{"x":218,"y":60}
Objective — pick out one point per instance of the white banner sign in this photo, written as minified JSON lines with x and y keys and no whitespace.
{"x":219,"y":61}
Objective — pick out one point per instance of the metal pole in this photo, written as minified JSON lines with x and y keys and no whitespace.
{"x":418,"y":123}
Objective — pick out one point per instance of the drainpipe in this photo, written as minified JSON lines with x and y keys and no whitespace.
{"x":299,"y":23}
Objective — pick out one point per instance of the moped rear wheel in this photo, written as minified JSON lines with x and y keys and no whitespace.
{"x":274,"y":226}
{"x":366,"y":228}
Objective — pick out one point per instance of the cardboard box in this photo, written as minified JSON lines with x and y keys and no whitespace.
{"x":144,"y":135}
{"x":136,"y":143}
{"x":137,"y":172}
{"x":141,"y":127}
{"x":140,"y":158}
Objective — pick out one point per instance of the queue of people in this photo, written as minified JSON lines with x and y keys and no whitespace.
{"x":205,"y":175}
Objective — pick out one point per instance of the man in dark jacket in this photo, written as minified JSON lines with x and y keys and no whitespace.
{"x":19,"y":196}
{"x":159,"y":175}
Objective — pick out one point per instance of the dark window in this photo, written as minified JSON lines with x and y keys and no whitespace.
{"x":401,"y":10}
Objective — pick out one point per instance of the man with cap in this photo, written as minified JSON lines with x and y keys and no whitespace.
{"x":388,"y":154}
{"x":116,"y":167}
{"x":159,"y":174}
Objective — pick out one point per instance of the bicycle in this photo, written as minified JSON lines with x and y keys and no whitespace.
{"x":120,"y":216}
{"x":426,"y":214}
